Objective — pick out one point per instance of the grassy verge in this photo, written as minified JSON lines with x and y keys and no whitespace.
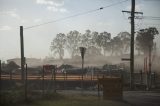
{"x":11,"y":97}
{"x":75,"y":100}
{"x":16,"y":98}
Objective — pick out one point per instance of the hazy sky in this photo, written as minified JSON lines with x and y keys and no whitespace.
{"x":15,"y":13}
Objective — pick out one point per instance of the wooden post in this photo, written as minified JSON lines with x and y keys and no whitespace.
{"x":10,"y":72}
{"x":98,"y":89}
{"x":144,"y":68}
{"x":64,"y":75}
{"x":66,"y":79}
{"x":43,"y":81}
{"x":98,"y":85}
{"x":55,"y":79}
{"x":154,"y":79}
{"x":0,"y":80}
{"x":52,"y":72}
{"x":63,"y":80}
{"x":22,"y":53}
{"x":26,"y":83}
{"x":141,"y":79}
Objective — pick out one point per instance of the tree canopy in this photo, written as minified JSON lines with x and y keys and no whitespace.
{"x":145,"y":39}
{"x":58,"y":45}
{"x":100,"y":43}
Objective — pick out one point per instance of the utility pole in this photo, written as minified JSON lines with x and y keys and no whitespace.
{"x":132,"y":46}
{"x":22,"y":53}
{"x":26,"y":97}
{"x":132,"y":12}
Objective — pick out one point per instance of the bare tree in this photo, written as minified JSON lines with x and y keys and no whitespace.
{"x":73,"y":42}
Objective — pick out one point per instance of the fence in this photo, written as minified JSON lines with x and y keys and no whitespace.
{"x":36,"y":81}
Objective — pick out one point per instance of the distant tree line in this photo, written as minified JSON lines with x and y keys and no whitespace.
{"x":101,"y":43}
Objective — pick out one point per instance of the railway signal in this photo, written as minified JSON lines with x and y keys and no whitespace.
{"x":82,"y":50}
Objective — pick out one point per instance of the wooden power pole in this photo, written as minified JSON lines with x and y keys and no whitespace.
{"x":132,"y":12}
{"x":132,"y":46}
{"x":22,"y":53}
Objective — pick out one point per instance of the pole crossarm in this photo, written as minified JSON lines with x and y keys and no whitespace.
{"x":134,"y":12}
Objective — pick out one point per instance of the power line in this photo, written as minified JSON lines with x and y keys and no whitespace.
{"x":148,"y":17}
{"x":151,"y":0}
{"x":152,"y":24}
{"x":144,"y":24}
{"x":75,"y":15}
{"x":151,"y":19}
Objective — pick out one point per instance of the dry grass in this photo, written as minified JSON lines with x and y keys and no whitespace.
{"x":77,"y":100}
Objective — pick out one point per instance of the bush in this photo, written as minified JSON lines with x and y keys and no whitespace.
{"x":11,"y":97}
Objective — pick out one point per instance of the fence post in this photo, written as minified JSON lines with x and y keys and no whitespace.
{"x":154,"y":79}
{"x":64,"y":80}
{"x":10,"y":72}
{"x":43,"y":81}
{"x":65,"y":74}
{"x":141,"y":79}
{"x":98,"y":85}
{"x":98,"y":89}
{"x":26,"y":83}
{"x":52,"y":75}
{"x":54,"y":79}
{"x":0,"y":80}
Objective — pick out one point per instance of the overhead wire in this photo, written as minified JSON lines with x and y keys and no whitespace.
{"x":147,"y":17}
{"x":37,"y":25}
{"x":152,"y":0}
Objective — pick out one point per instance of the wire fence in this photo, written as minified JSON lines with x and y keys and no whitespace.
{"x":64,"y":81}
